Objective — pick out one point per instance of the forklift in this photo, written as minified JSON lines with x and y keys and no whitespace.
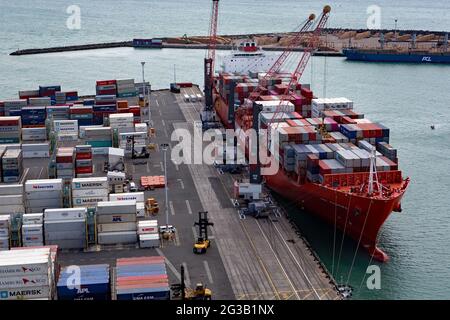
{"x":199,"y":293}
{"x":143,"y":154}
{"x":203,"y":243}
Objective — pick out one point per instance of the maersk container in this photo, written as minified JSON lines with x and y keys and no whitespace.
{"x":88,"y":201}
{"x":90,"y":183}
{"x":25,"y":293}
{"x":124,"y":237}
{"x":85,"y":193}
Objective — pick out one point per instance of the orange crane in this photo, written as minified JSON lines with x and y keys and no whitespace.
{"x":313,"y":44}
{"x":208,"y":113}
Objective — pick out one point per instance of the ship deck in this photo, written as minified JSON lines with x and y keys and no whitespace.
{"x":249,"y":258}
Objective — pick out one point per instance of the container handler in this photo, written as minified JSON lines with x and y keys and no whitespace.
{"x":179,"y":291}
{"x":203,"y":243}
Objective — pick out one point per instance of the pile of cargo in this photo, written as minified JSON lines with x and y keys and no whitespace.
{"x":58,"y":112}
{"x":100,"y":138}
{"x":103,"y":107}
{"x":318,"y":106}
{"x":4,"y":232}
{"x":94,"y":283}
{"x":148,"y":234}
{"x":11,"y":106}
{"x":67,"y":132}
{"x":142,"y":278}
{"x":122,"y":122}
{"x":12,"y":165}
{"x":65,"y":227}
{"x":136,"y":196}
{"x":87,"y":192}
{"x":83,"y":161}
{"x":10,"y":130}
{"x":11,"y":199}
{"x":83,"y":114}
{"x":34,"y":134}
{"x":36,"y":150}
{"x":33,"y":230}
{"x":34,"y":117}
{"x":126,"y":88}
{"x":27,"y":274}
{"x":116,"y":222}
{"x":43,"y":194}
{"x":65,"y":163}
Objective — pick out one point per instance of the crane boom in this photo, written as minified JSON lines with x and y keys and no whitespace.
{"x":210,"y":59}
{"x":312,"y":45}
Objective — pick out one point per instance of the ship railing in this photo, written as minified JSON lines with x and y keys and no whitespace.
{"x":360,"y":178}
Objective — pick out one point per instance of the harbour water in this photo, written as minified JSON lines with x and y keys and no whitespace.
{"x":406,"y":98}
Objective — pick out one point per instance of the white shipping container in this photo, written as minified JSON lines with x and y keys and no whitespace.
{"x":149,"y":241}
{"x":116,"y":218}
{"x":148,"y":227}
{"x":4,"y":221}
{"x":137,"y":196}
{"x":11,"y":189}
{"x":17,"y":266}
{"x":90,"y":183}
{"x":117,"y":237}
{"x":88,"y":201}
{"x":43,"y":185}
{"x":116,"y":227}
{"x":86,"y":193}
{"x":33,"y":218}
{"x":25,"y":293}
{"x":32,"y":229}
{"x":12,"y":209}
{"x":64,"y":214}
{"x":116,"y":207}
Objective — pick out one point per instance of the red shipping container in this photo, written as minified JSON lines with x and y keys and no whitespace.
{"x":83,"y":170}
{"x":106,"y":82}
{"x":83,"y":156}
{"x":106,"y":92}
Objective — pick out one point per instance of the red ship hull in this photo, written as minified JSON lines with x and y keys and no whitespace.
{"x":357,"y":215}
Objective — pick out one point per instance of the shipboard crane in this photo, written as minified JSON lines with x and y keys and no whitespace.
{"x":313,"y":44}
{"x":208,"y":114}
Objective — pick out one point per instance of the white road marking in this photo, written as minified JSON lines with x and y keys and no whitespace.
{"x":208,"y":271}
{"x":40,"y":172}
{"x":163,"y":122}
{"x":162,"y":166}
{"x":176,"y":167}
{"x":187,"y":278}
{"x":188,"y":205}
{"x":157,"y":103}
{"x":172,"y":210}
{"x":148,"y":167}
{"x":177,"y":239}
{"x":169,"y":264}
{"x":194,"y":231}
{"x":181,"y":183}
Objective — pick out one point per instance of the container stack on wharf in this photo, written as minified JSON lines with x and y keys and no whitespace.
{"x":142,"y":278}
{"x":87,"y":192}
{"x":4,"y":232}
{"x":33,"y":230}
{"x":12,"y":165}
{"x":84,"y":164}
{"x":65,"y":228}
{"x":94,"y":283}
{"x":116,"y":222}
{"x":148,"y":234}
{"x":12,"y":199}
{"x":27,"y":274}
{"x":43,"y":194}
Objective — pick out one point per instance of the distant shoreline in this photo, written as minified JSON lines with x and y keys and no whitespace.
{"x":333,"y":40}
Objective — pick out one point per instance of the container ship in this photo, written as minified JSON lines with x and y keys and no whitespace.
{"x":438,"y":53}
{"x":333,"y":162}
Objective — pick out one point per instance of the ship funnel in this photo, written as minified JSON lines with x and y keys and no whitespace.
{"x":326,"y":9}
{"x":312,"y":17}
